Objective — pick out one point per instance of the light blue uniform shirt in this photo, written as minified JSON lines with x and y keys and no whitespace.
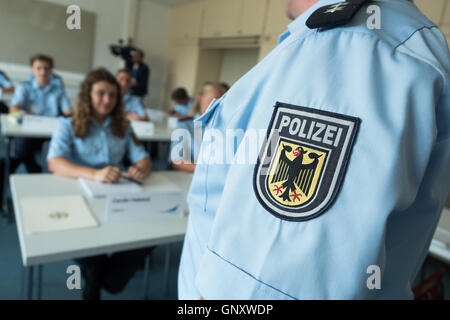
{"x":4,"y":81}
{"x":46,"y":101}
{"x":395,"y":80}
{"x":133,"y":104}
{"x":54,"y":79}
{"x":184,"y":108}
{"x":98,"y":149}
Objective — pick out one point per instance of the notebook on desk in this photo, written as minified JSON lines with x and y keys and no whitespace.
{"x":95,"y":189}
{"x":45,"y":214}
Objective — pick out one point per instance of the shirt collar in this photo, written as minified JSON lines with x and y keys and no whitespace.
{"x":105,"y":124}
{"x":36,"y":85}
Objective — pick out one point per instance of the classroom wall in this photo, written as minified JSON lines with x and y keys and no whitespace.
{"x":146,"y":22}
{"x":110,"y":24}
{"x":236,"y":63}
{"x":152,"y":24}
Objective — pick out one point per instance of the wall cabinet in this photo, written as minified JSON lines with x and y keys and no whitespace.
{"x":221,"y":18}
{"x":233,"y":18}
{"x":186,"y":22}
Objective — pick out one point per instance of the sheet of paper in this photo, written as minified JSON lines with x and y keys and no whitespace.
{"x":95,"y":189}
{"x":143,"y":128}
{"x":144,"y":205}
{"x":45,"y":214}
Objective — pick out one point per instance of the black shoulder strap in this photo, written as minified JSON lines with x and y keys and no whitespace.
{"x":334,"y":15}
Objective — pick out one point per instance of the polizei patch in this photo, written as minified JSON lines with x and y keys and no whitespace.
{"x":303,"y":162}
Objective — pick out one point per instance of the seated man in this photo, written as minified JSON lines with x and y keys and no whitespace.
{"x":40,"y":97}
{"x":183,"y":103}
{"x":184,"y":150}
{"x":134,"y":109}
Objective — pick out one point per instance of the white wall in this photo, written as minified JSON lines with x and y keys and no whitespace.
{"x":109,"y":27}
{"x":145,"y":21}
{"x":152,"y":35}
{"x":236,"y":63}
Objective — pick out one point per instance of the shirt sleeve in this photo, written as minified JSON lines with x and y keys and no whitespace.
{"x":138,"y":107}
{"x":4,"y":81}
{"x":135,"y":150}
{"x":20,"y":96}
{"x":62,"y":140}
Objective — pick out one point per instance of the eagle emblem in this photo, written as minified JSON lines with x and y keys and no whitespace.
{"x":303,"y":161}
{"x":295,"y":173}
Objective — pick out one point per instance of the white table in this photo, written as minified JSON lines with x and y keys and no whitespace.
{"x":161,"y":133}
{"x":440,"y":245}
{"x":11,"y":130}
{"x":38,"y":249}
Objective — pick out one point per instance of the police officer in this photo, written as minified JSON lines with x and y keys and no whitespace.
{"x":39,"y":96}
{"x":352,"y":174}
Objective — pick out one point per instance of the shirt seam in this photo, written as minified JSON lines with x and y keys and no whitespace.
{"x":250,"y":275}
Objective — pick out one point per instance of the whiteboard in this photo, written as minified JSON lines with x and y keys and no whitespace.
{"x":29,"y":27}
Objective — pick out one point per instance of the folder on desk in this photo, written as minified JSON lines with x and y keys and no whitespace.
{"x":45,"y":214}
{"x":95,"y":189}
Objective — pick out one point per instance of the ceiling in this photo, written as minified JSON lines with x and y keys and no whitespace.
{"x":171,"y":3}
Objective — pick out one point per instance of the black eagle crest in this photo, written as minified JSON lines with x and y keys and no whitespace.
{"x":295,"y":172}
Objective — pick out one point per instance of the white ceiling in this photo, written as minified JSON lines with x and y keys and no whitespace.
{"x":171,"y":3}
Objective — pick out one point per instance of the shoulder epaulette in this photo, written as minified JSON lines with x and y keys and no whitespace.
{"x":334,"y":15}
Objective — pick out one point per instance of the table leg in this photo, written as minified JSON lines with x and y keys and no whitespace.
{"x":39,"y":282}
{"x":30,"y":283}
{"x":167,"y":269}
{"x":23,"y":282}
{"x":146,"y":276}
{"x":6,"y":178}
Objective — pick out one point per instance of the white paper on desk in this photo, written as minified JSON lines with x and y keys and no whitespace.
{"x":45,"y":214}
{"x":32,"y":122}
{"x":144,"y":205}
{"x":95,"y":189}
{"x":142,"y":128}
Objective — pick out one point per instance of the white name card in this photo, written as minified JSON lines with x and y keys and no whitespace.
{"x":143,"y":128}
{"x":144,"y":205}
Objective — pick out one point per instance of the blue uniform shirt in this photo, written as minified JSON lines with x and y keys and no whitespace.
{"x":4,"y":81}
{"x":133,"y":104}
{"x":393,"y":84}
{"x":48,"y":101}
{"x":54,"y":79}
{"x":98,"y":149}
{"x":184,"y":108}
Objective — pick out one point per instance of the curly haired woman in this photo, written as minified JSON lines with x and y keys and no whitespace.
{"x":94,"y":145}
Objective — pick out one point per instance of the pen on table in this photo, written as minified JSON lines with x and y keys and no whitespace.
{"x":132,"y":180}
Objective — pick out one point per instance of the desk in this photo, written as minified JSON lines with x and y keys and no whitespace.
{"x":38,"y":249}
{"x":10,"y":130}
{"x":161,"y":134}
{"x":438,"y":249}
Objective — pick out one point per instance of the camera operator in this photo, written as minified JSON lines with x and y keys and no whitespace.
{"x":141,"y":74}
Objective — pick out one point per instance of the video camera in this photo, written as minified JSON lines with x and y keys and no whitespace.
{"x":125,"y":52}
